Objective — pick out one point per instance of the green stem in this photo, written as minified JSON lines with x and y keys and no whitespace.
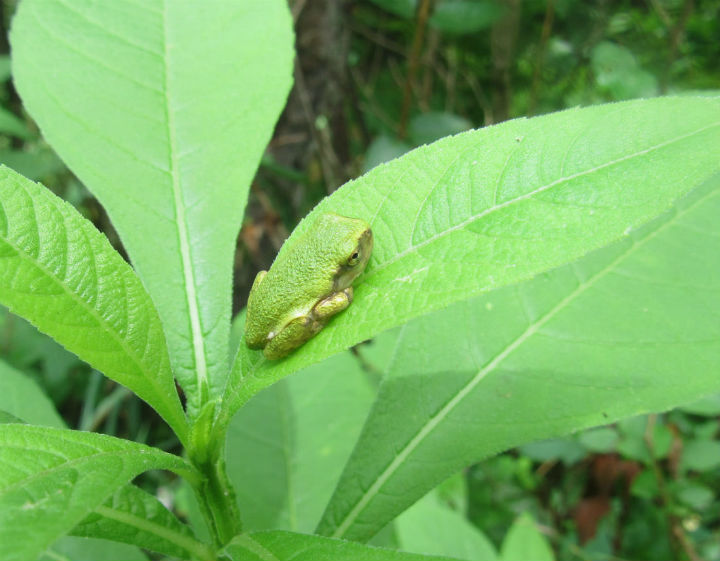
{"x":217,"y":502}
{"x":215,"y":493}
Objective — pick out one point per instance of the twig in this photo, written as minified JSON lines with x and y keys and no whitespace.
{"x":423,"y":14}
{"x":678,"y":538}
{"x":676,"y":36}
{"x":480,"y":97}
{"x":503,"y":38}
{"x":91,"y":392}
{"x":106,"y":406}
{"x":662,"y":12}
{"x":374,"y":37}
{"x":539,"y":60}
{"x":297,"y":9}
{"x":328,"y":158}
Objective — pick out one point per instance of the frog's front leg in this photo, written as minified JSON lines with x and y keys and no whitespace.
{"x":333,"y":304}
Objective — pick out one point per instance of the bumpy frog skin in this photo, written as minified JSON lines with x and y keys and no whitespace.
{"x":309,"y":282}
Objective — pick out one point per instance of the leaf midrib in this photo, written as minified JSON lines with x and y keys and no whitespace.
{"x":434,"y":421}
{"x":234,"y":393}
{"x":198,"y":341}
{"x":189,"y":544}
{"x":249,"y":543}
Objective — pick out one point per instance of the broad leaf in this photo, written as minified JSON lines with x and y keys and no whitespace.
{"x":465,"y":16}
{"x":36,"y":162}
{"x":163,"y":110}
{"x":432,"y":126}
{"x":9,"y":418}
{"x":135,"y":517}
{"x":50,"y":479}
{"x":489,"y":208}
{"x":21,"y":397}
{"x":301,"y":427}
{"x":60,"y":273}
{"x":69,"y":548}
{"x":286,"y":546}
{"x":431,"y":527}
{"x":10,"y":124}
{"x":630,"y":329}
{"x":524,"y":541}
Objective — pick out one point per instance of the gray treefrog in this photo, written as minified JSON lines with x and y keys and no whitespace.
{"x":309,"y":282}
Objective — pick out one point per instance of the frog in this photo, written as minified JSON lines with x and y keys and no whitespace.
{"x":309,"y":282}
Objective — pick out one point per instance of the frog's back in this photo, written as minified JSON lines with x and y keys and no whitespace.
{"x":301,"y":275}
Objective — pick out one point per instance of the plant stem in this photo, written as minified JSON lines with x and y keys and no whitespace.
{"x":217,"y":501}
{"x":540,"y":55}
{"x":105,"y":407}
{"x":423,"y":14}
{"x":678,"y":540}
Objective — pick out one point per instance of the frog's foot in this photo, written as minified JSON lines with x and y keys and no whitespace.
{"x":332,"y":305}
{"x":290,"y":337}
{"x":258,"y":279}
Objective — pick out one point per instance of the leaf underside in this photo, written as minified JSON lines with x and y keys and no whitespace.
{"x":163,"y":111}
{"x":61,"y":274}
{"x":629,"y":329}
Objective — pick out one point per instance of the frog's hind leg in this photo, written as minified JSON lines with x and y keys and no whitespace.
{"x":290,"y":337}
{"x":301,"y":329}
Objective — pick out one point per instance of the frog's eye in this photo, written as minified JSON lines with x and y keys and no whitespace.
{"x":354,"y":258}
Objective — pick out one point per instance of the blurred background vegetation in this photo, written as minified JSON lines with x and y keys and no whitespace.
{"x":373,"y":79}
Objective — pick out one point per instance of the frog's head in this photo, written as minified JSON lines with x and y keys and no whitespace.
{"x":355,"y":249}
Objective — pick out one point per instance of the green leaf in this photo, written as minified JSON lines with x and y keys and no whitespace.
{"x":489,"y":208}
{"x":237,"y":328}
{"x":61,"y":274}
{"x":633,"y":441}
{"x":279,"y":443}
{"x":602,"y":440}
{"x":286,"y":546}
{"x":69,"y":548}
{"x":582,"y":346}
{"x":567,"y":450}
{"x":700,"y":455}
{"x":35,"y":163}
{"x":618,"y":73}
{"x":383,"y":149}
{"x":4,"y":68}
{"x":135,"y":517}
{"x":523,"y":541}
{"x":707,"y":406}
{"x":695,"y":495}
{"x":50,"y":479}
{"x":163,"y":111}
{"x":429,"y":127}
{"x":402,"y":8}
{"x":21,"y":397}
{"x":458,"y":17}
{"x":9,"y":418}
{"x":429,"y":527}
{"x":10,"y":124}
